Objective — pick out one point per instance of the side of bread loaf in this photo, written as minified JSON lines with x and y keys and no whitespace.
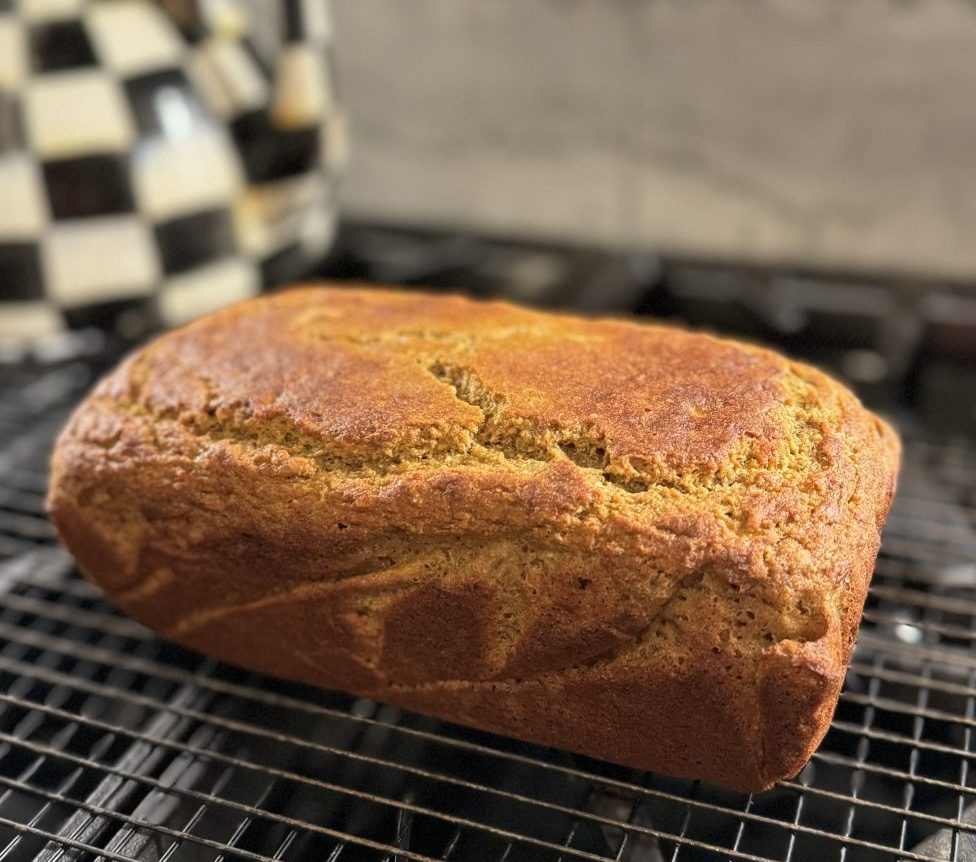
{"x":631,"y":541}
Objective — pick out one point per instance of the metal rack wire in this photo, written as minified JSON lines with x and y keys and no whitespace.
{"x":117,"y":745}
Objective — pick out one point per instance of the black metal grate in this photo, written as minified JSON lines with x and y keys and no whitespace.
{"x":117,"y":745}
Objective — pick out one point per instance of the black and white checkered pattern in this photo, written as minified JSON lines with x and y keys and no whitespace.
{"x":154,"y":161}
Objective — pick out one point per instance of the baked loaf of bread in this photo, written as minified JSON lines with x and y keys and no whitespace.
{"x":630,"y":541}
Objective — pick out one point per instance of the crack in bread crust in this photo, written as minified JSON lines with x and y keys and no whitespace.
{"x":492,"y":435}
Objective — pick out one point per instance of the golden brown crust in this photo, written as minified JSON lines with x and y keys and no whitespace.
{"x":635,"y":542}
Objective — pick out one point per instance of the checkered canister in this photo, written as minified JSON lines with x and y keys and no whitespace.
{"x":160,"y":159}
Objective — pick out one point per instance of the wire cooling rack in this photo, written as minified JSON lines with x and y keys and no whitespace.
{"x":117,"y":745}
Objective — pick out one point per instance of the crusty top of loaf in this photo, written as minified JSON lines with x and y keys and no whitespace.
{"x":406,"y":415}
{"x":381,"y":376}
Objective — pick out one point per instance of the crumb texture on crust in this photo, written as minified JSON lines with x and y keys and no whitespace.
{"x":495,"y":515}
